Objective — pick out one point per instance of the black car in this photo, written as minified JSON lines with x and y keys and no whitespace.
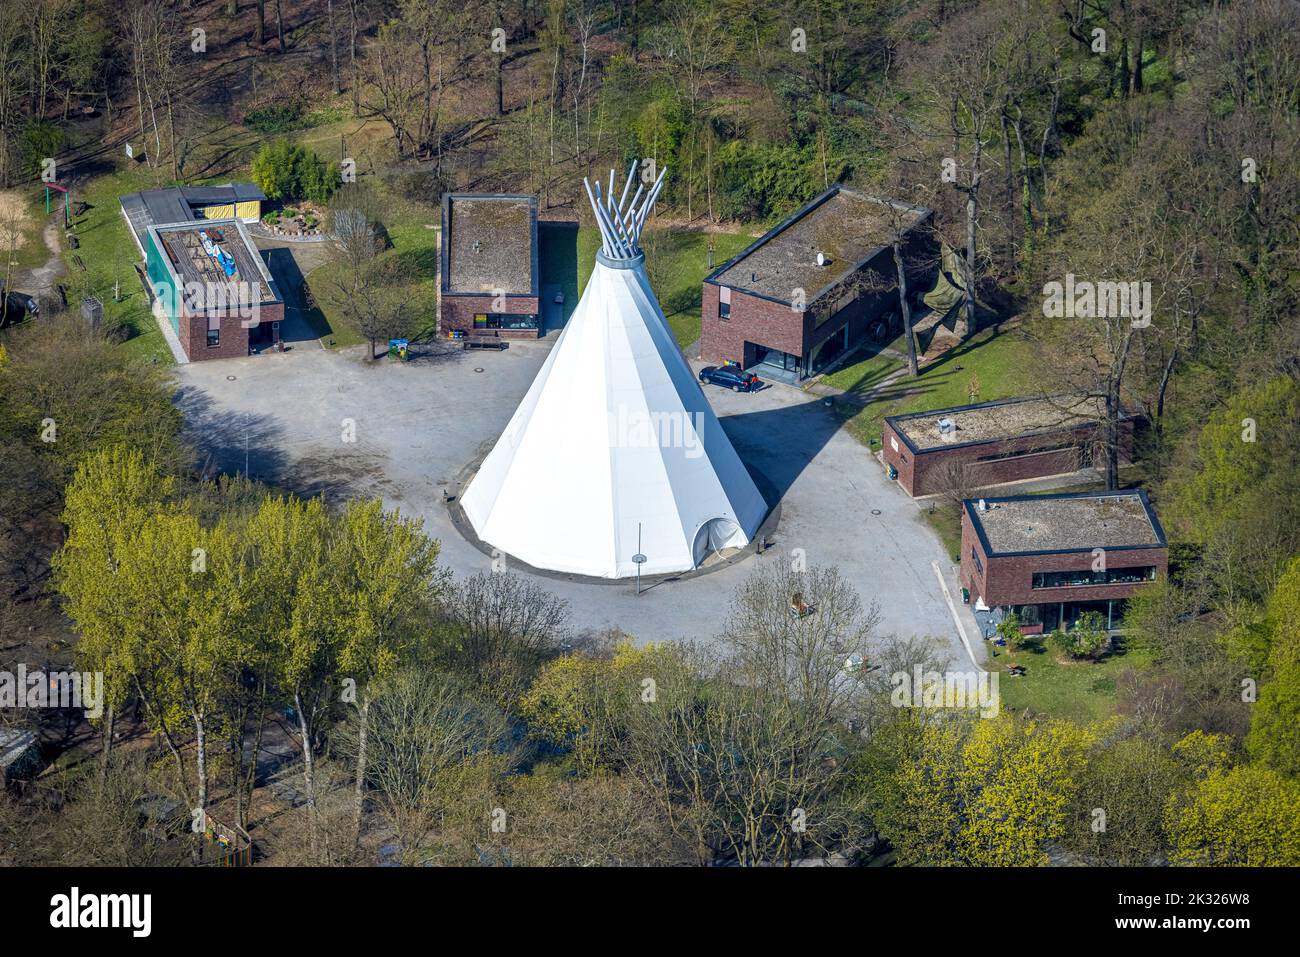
{"x":731,"y":377}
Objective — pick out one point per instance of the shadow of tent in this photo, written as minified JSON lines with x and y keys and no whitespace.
{"x":780,"y":443}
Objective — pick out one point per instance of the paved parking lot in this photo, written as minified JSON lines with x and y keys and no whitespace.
{"x":419,"y":425}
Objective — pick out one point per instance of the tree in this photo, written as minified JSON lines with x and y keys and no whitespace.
{"x":603,"y":820}
{"x":741,"y":751}
{"x":388,"y":305}
{"x":982,"y":793}
{"x":299,"y":610}
{"x":582,"y":702}
{"x":355,"y":225}
{"x":391,"y":569}
{"x":188,"y":604}
{"x":1088,"y":638}
{"x":273,"y":169}
{"x":1117,"y":819}
{"x":1274,"y":738}
{"x":1237,"y":817}
{"x":285,"y":171}
{"x":963,"y":81}
{"x":502,"y":628}
{"x":421,"y":735}
{"x":1240,"y":501}
{"x":112,"y":496}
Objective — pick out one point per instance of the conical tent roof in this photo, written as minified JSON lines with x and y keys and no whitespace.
{"x":614,"y":440}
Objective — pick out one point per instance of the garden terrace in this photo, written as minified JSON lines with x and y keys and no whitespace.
{"x":846,"y":227}
{"x":998,"y":420}
{"x":1071,"y":522}
{"x":491,"y":244}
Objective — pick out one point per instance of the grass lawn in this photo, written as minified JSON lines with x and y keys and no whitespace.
{"x":109,"y":254}
{"x":999,"y":358}
{"x":868,"y":372}
{"x":1058,"y":686}
{"x":945,"y":519}
{"x":413,"y":229}
{"x":677,"y":260}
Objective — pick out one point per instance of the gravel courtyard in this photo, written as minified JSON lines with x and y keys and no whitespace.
{"x":417,"y":427}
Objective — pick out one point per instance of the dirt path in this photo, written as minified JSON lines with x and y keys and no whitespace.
{"x":41,"y":280}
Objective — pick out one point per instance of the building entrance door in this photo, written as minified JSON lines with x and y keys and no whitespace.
{"x":775,"y":364}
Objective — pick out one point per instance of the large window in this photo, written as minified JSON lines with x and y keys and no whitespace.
{"x":493,"y":320}
{"x":979,"y":565}
{"x":724,"y":302}
{"x":214,"y":331}
{"x":1077,"y":577}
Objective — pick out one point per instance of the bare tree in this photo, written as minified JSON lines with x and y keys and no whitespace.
{"x":503,"y":627}
{"x":963,"y":79}
{"x":420,"y":734}
{"x":737,"y":748}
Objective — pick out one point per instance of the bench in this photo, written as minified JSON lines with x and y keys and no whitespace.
{"x":485,"y":343}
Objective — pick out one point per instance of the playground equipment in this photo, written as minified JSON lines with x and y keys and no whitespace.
{"x":223,"y":258}
{"x":67,"y":212}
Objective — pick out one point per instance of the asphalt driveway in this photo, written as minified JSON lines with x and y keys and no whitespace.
{"x":419,"y":425}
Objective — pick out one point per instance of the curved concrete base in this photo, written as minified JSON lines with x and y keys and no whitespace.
{"x":766,"y":532}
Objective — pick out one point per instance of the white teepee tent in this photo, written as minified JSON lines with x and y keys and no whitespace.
{"x":615,"y":448}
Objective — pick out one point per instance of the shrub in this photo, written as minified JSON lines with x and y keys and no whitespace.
{"x":1009,"y":630}
{"x":284,"y":171}
{"x":273,"y":169}
{"x":41,"y":139}
{"x":1087,"y":639}
{"x":276,"y":118}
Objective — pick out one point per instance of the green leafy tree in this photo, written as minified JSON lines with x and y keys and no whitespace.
{"x":274,"y":169}
{"x":989,"y":793}
{"x":299,"y":608}
{"x":1087,"y":639}
{"x":1241,"y":501}
{"x":112,"y":496}
{"x":1237,"y":817}
{"x":390,"y":576}
{"x":583,"y":702}
{"x":1274,"y":735}
{"x":185,"y":613}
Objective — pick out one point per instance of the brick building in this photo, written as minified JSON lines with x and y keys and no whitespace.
{"x":996,"y":442}
{"x":1051,"y":558}
{"x":209,"y":282}
{"x":490,"y":279}
{"x":815,"y":287}
{"x":179,"y":204}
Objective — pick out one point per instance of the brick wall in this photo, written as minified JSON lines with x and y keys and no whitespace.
{"x":234,"y":337}
{"x":1007,"y":580}
{"x":776,"y":326}
{"x":757,"y":320}
{"x":897,"y":454}
{"x":458,"y":312}
{"x":925,"y":472}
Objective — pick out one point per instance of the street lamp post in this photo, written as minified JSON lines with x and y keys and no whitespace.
{"x":639,"y":559}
